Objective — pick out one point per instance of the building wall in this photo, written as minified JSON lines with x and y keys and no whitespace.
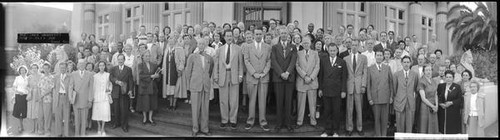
{"x":213,"y":10}
{"x":307,"y":12}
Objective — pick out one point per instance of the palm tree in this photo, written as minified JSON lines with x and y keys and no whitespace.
{"x":476,"y":30}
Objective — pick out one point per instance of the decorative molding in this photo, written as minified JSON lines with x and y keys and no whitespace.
{"x":88,"y":10}
{"x":415,"y":2}
{"x":442,"y":12}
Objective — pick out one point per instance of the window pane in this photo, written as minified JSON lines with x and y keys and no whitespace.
{"x":177,"y":19}
{"x":350,"y":19}
{"x":392,"y":13}
{"x":166,"y":6}
{"x":362,"y":21}
{"x":99,"y":31}
{"x":100,"y":19}
{"x":350,"y":6}
{"x":106,"y":28}
{"x":423,"y":20}
{"x":136,"y":25}
{"x":424,"y":36}
{"x":165,"y":20}
{"x":129,"y":13}
{"x":268,"y":14}
{"x":127,"y":27}
{"x":385,"y":11}
{"x":401,"y":14}
{"x":106,"y":18}
{"x":401,"y":28}
{"x":188,"y":18}
{"x":430,"y":36}
{"x":430,"y":22}
{"x":340,"y":19}
{"x":137,"y":10}
{"x":362,"y":7}
{"x":391,"y":26}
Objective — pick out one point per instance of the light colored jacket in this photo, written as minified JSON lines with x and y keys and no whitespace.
{"x":356,"y":78}
{"x":309,"y":67}
{"x":257,"y":62}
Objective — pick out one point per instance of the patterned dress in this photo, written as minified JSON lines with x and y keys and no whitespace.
{"x":35,"y":103}
{"x":46,"y":84}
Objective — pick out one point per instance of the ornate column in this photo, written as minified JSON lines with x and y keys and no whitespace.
{"x":415,"y":20}
{"x":377,"y":17}
{"x":151,"y":14}
{"x":196,"y":10}
{"x":89,"y":18}
{"x":441,"y":32}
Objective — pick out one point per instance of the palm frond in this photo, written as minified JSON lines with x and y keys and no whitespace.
{"x":458,"y":8}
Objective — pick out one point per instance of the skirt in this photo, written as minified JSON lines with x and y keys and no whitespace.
{"x":147,"y":102}
{"x":20,"y":106}
{"x":428,"y":120}
{"x":181,"y":87}
{"x":34,"y":109}
{"x":101,"y":111}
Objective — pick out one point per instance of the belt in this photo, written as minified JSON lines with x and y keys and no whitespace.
{"x":142,"y":38}
{"x":228,"y":69}
{"x":63,"y":93}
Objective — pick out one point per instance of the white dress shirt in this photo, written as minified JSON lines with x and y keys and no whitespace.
{"x":21,"y":85}
{"x":333,"y":60}
{"x":228,"y":66}
{"x":62,"y":89}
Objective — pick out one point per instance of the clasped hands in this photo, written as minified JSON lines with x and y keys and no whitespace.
{"x":285,"y":75}
{"x":258,"y":75}
{"x":446,"y":104}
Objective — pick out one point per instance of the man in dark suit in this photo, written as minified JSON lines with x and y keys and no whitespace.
{"x":379,"y":92}
{"x":333,"y":85}
{"x":121,"y":77}
{"x":383,"y":43}
{"x":283,"y":60}
{"x":393,"y":44}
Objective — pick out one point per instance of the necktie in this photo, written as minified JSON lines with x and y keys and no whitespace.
{"x":307,"y":55}
{"x":62,"y":81}
{"x":378,"y":66}
{"x":81,"y":73}
{"x":354,"y":63}
{"x":228,"y":53}
{"x":284,"y":49}
{"x":147,"y":65}
{"x":333,"y":62}
{"x":406,"y":77}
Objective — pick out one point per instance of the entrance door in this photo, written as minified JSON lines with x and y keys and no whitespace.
{"x":259,"y":13}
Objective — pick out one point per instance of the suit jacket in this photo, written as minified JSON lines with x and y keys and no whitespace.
{"x":156,"y":54}
{"x":393,"y":45}
{"x":380,"y":47}
{"x":379,"y":84}
{"x":332,"y":79}
{"x":405,"y":90}
{"x":356,"y":77}
{"x":281,"y":64}
{"x":455,"y":96}
{"x":55,"y":91}
{"x":309,"y":67}
{"x":125,"y":76}
{"x":415,"y":68}
{"x":480,"y":104}
{"x":83,"y":89}
{"x":198,"y":76}
{"x":235,"y":60}
{"x":147,"y":85}
{"x":257,"y":62}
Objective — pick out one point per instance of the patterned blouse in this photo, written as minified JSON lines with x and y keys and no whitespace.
{"x":46,"y":84}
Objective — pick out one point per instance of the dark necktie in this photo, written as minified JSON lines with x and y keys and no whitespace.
{"x":354,"y":63}
{"x":228,"y":53}
{"x":307,"y":55}
{"x":284,"y":49}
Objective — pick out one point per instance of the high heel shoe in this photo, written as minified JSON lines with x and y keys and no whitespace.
{"x":144,"y":122}
{"x":174,"y":108}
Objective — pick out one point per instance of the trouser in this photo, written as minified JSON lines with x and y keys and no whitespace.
{"x":199,"y":109}
{"x":228,"y":100}
{"x":311,"y":99}
{"x":473,"y":128}
{"x":80,"y":120}
{"x":354,"y":101}
{"x":255,"y":90}
{"x":121,"y":110}
{"x":332,"y":114}
{"x":381,"y":114}
{"x":62,"y":113}
{"x":404,"y":119}
{"x":416,"y":120}
{"x":284,"y":93}
{"x":47,"y":116}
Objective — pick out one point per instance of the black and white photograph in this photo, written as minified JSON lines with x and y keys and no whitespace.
{"x":285,"y":69}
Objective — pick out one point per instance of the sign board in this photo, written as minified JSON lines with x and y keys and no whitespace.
{"x":62,"y":38}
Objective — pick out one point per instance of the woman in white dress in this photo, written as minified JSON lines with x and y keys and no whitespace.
{"x":101,"y":111}
{"x":34,"y":100}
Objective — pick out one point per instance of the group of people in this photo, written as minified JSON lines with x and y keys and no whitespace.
{"x":335,"y":74}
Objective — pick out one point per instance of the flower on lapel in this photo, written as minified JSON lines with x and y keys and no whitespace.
{"x":339,"y":67}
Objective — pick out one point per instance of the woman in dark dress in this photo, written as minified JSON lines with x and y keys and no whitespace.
{"x":147,"y":101}
{"x":450,"y":102}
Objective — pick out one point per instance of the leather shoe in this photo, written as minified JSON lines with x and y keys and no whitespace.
{"x":290,"y":129}
{"x":125,"y":129}
{"x":153,"y":123}
{"x":193,"y":134}
{"x":349,"y":133}
{"x":114,"y":126}
{"x":206,"y":133}
{"x":297,"y":126}
{"x":361,"y":133}
{"x":277,"y":129}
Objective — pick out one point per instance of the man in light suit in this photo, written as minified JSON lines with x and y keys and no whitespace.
{"x":283,"y":61}
{"x":332,"y":80}
{"x":307,"y":81}
{"x":379,"y":92}
{"x":405,"y":87}
{"x":419,"y":67}
{"x":356,"y":86}
{"x":257,"y":58}
{"x":123,"y":85}
{"x":61,"y":100}
{"x":81,"y":97}
{"x":228,"y":74}
{"x":199,"y":68}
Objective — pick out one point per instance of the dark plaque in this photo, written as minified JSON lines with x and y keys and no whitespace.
{"x":43,"y":38}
